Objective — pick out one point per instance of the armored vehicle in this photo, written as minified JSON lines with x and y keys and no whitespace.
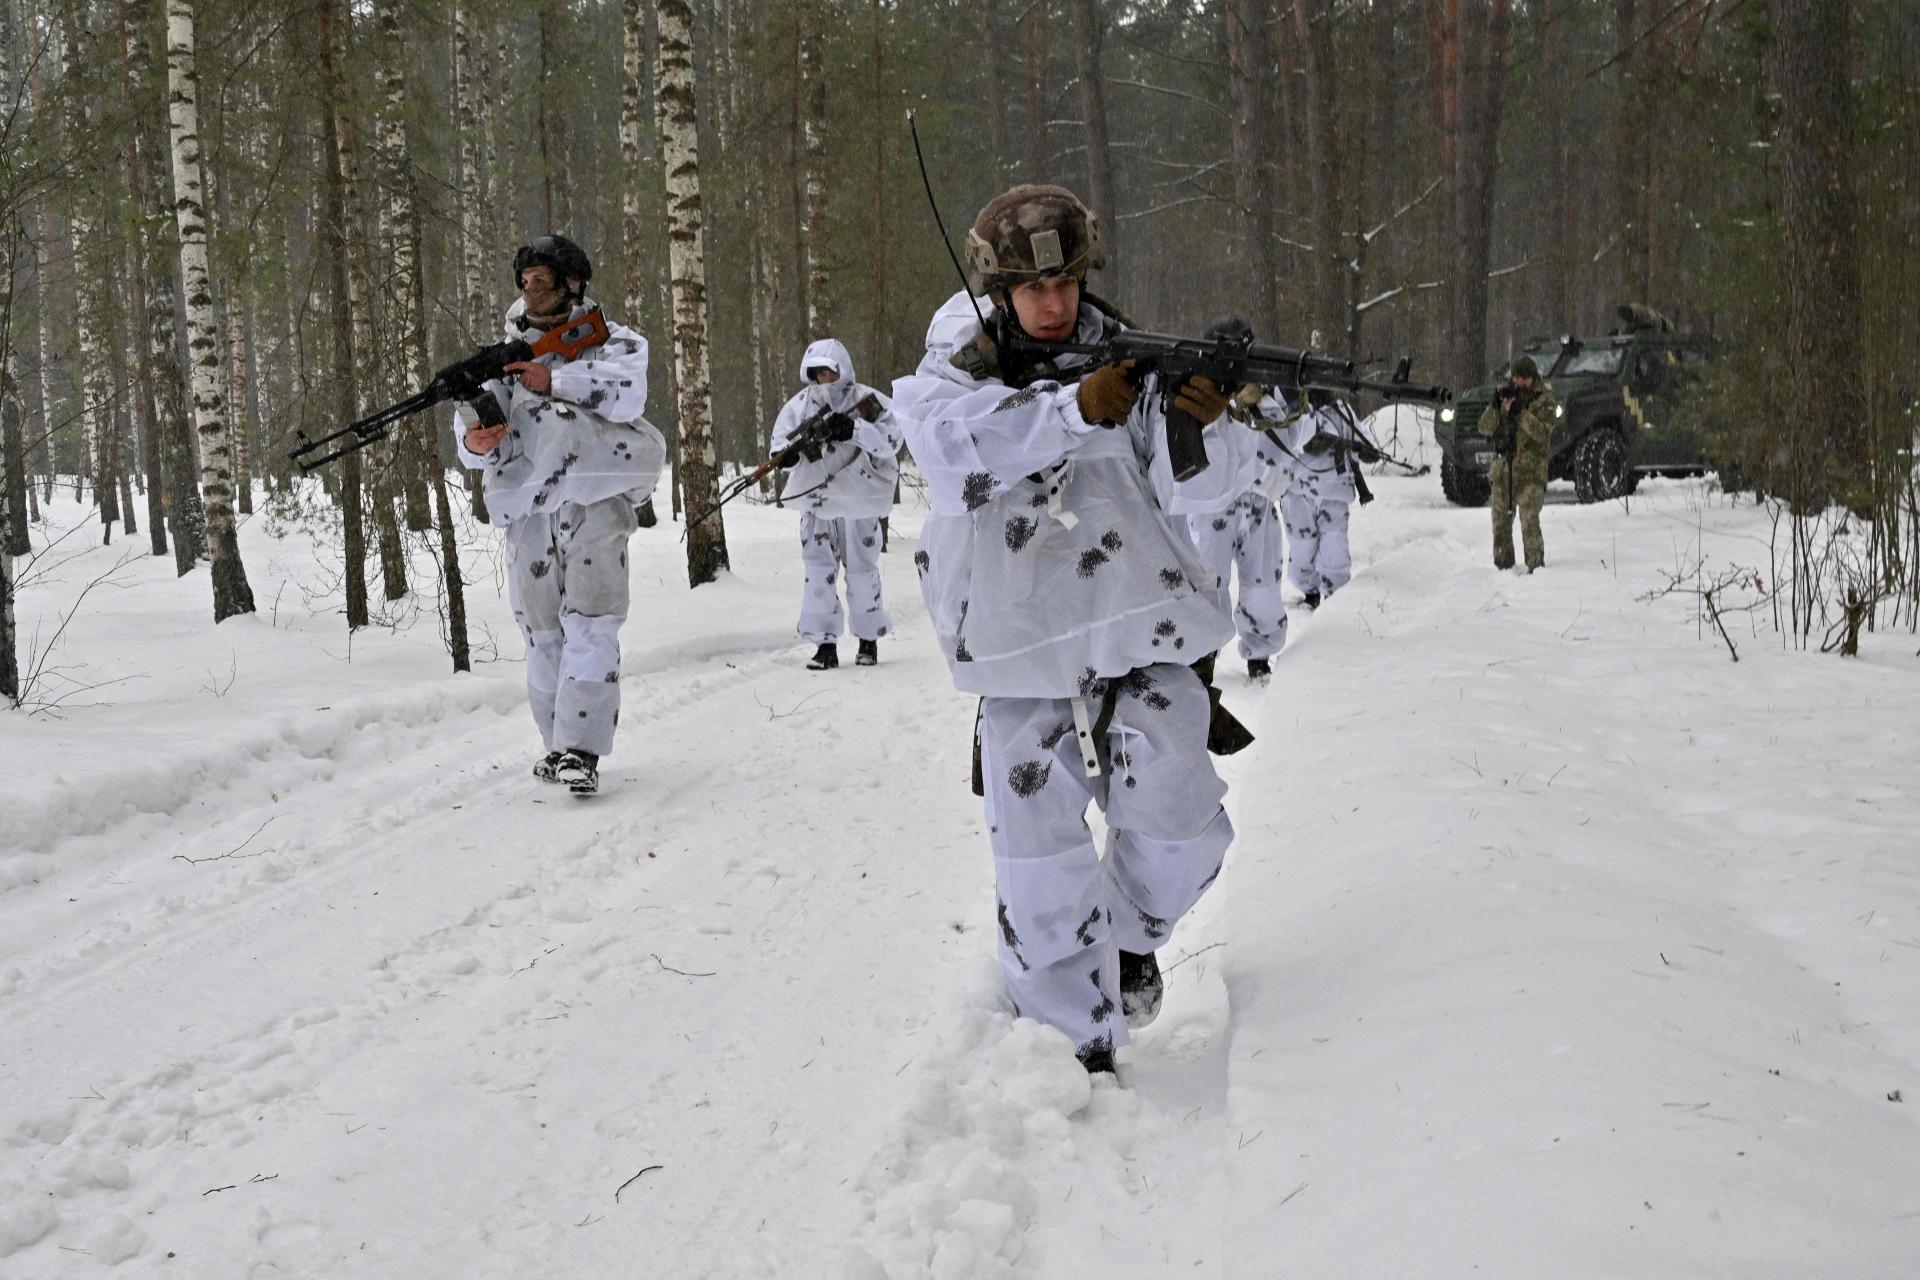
{"x":1621,"y":412}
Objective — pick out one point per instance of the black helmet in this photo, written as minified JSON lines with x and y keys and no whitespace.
{"x":567,"y":260}
{"x":1524,"y":367}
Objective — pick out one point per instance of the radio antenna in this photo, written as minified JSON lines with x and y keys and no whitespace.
{"x":938,"y":221}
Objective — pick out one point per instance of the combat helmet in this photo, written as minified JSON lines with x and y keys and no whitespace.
{"x":567,"y":260}
{"x":1029,"y":232}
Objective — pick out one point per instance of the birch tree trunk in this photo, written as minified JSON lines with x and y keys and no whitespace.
{"x":813,"y":228}
{"x":679,"y":137}
{"x":159,"y":255}
{"x":231,"y":594}
{"x":413,"y":442}
{"x":10,"y":429}
{"x":238,"y":340}
{"x":634,"y":274}
{"x":139,"y":272}
{"x":473,"y":199}
{"x":90,"y":277}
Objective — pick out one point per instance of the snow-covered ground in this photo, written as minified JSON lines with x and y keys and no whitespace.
{"x":1555,"y":943}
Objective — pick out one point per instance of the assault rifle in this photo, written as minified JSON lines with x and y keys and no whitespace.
{"x":461,"y":380}
{"x":810,"y":440}
{"x":1227,"y":360}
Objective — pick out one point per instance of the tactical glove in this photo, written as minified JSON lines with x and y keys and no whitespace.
{"x":1107,"y":395}
{"x":1199,"y":397}
{"x":839,"y":428}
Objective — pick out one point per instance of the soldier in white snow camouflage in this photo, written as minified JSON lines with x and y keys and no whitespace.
{"x":1062,"y":592}
{"x":567,"y":457}
{"x":841,"y":446}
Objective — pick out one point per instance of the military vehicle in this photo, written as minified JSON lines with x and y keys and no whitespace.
{"x":1620,"y":412}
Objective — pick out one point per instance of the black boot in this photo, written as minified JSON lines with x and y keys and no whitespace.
{"x":644,"y":513}
{"x":1259,"y":669}
{"x":580,"y":770}
{"x":1140,"y":988}
{"x":869,"y":654}
{"x":1311,"y":599}
{"x":1097,"y":1056}
{"x":546,"y":768}
{"x":825,"y":658}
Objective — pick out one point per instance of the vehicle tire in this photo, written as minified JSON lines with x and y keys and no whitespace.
{"x":1600,"y":468}
{"x":1464,"y":488}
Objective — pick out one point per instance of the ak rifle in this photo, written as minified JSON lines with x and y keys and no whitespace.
{"x":809,"y":440}
{"x":1228,"y":361}
{"x":461,"y":380}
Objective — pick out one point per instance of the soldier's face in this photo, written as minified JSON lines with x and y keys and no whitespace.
{"x":1048,"y":308}
{"x":824,"y":375}
{"x":541,"y":291}
{"x":1522,"y":382}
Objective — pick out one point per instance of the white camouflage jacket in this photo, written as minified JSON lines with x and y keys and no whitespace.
{"x":583,"y":441}
{"x":854,"y":477}
{"x":1050,"y":559}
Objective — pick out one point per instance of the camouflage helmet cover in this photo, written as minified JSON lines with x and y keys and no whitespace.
{"x":1029,"y":232}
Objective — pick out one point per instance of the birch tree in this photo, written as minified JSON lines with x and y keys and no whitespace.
{"x":334,"y":238}
{"x":686,"y":250}
{"x":231,"y":594}
{"x":400,"y":232}
{"x":813,"y":132}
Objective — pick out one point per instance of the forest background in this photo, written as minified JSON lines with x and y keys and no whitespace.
{"x":1445,"y":179}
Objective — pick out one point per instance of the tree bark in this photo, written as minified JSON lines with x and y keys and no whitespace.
{"x":90,"y":276}
{"x":996,"y":82}
{"x":1251,"y":72}
{"x":1811,"y":54}
{"x":813,"y":227}
{"x":400,"y":227}
{"x":473,"y":302}
{"x":680,"y":143}
{"x":334,"y":236}
{"x":231,"y":594}
{"x":1034,"y":100}
{"x":1480,"y":47}
{"x":1088,"y":28}
{"x":1312,"y":25}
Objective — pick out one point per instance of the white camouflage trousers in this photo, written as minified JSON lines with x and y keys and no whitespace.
{"x":1065,"y":912}
{"x":827,"y":547}
{"x":1247,"y":536}
{"x":567,"y":582}
{"x":1318,"y":559}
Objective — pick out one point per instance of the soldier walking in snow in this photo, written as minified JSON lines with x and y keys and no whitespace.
{"x":1063,"y":593}
{"x":1520,"y":422}
{"x":1326,"y":479}
{"x":567,"y":456}
{"x":1237,"y":526}
{"x":841,"y":446}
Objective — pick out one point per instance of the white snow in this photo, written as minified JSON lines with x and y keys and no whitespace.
{"x":1554,"y":943}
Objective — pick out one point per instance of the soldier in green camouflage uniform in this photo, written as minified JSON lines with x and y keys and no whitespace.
{"x":1520,"y":422}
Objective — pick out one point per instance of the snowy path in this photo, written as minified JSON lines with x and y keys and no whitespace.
{"x":1535,"y":893}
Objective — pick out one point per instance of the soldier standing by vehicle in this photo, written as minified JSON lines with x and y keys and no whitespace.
{"x":1064,"y":594}
{"x":1520,"y":423}
{"x":567,"y":456}
{"x":841,"y":446}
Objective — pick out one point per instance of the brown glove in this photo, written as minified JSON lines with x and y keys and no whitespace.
{"x":1199,"y":397}
{"x":1107,"y":395}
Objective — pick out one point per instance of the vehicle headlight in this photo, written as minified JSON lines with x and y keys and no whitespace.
{"x":1446,"y":414}
{"x":1559,"y":411}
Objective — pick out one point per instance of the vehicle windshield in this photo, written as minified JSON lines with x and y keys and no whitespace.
{"x":1603,"y":361}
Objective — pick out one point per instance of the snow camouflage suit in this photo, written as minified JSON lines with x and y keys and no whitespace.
{"x":1243,"y":532}
{"x":1317,"y":502}
{"x":1054,"y":576}
{"x":1527,"y":490}
{"x":564,"y":481}
{"x":842,"y":495}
